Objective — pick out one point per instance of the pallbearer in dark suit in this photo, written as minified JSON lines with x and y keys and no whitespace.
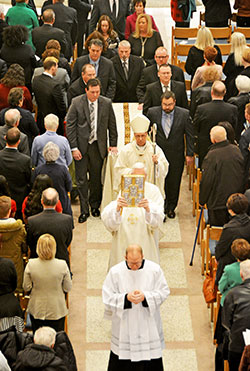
{"x":41,"y":35}
{"x":89,"y":118}
{"x":128,"y":70}
{"x":79,"y":85}
{"x":156,"y":89}
{"x":173,"y":123}
{"x":150,"y":74}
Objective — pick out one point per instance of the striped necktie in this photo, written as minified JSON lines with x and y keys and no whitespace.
{"x":124,"y":65}
{"x":167,"y":125}
{"x":92,"y":123}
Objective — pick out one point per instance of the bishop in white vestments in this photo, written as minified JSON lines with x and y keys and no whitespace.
{"x":141,"y":150}
{"x":132,"y":293}
{"x":135,"y":224}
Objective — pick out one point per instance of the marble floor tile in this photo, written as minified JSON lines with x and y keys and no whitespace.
{"x":176,"y":319}
{"x":172,"y":263}
{"x":180,"y":360}
{"x":96,"y":277}
{"x":170,"y":232}
{"x":97,"y":360}
{"x":98,"y":329}
{"x":96,"y":231}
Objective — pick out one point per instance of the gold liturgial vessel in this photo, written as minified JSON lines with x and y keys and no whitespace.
{"x":132,"y":189}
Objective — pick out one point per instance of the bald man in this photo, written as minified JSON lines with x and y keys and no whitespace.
{"x":210,"y":114}
{"x":223,"y":174}
{"x":132,"y":293}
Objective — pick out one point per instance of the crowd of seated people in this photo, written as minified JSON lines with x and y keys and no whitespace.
{"x":58,"y":108}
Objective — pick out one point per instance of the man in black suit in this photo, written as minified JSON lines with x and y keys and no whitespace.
{"x":150,"y":74}
{"x":50,"y":221}
{"x":48,"y":94}
{"x":128,"y":70}
{"x":66,"y":20}
{"x":3,"y":24}
{"x":83,"y":8}
{"x":173,"y":123}
{"x":78,"y":86}
{"x":210,"y":114}
{"x":117,"y":14}
{"x":155,"y":90}
{"x":12,"y":119}
{"x":89,"y":118}
{"x":41,"y":35}
{"x":217,"y":13}
{"x":103,"y":66}
{"x":16,"y":167}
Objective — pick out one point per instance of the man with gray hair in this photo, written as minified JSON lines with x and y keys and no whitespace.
{"x":41,"y":355}
{"x":243,"y":85}
{"x":104,"y":68}
{"x":128,"y":70}
{"x":235,"y":315}
{"x":135,"y":224}
{"x":12,"y":118}
{"x":222,"y":175}
{"x":49,"y":221}
{"x":51,"y":123}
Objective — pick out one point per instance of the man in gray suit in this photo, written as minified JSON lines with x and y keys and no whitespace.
{"x":12,"y":118}
{"x":173,"y":123}
{"x":89,"y":118}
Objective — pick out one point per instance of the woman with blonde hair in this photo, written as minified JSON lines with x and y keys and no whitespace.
{"x":144,"y":41}
{"x":195,"y":56}
{"x":47,"y":279}
{"x":234,"y":64}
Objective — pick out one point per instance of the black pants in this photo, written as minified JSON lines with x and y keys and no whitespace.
{"x":116,"y":364}
{"x":172,"y":185}
{"x":243,"y":21}
{"x":217,"y":24}
{"x":182,"y":24}
{"x":218,"y":218}
{"x":234,"y":360}
{"x":89,"y":192}
{"x":81,"y":30}
{"x":57,"y":325}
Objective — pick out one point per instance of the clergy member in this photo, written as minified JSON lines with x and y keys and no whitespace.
{"x":135,"y":224}
{"x":141,"y":150}
{"x":132,"y":293}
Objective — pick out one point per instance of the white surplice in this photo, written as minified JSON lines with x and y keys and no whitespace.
{"x":137,"y":332}
{"x":135,"y":226}
{"x":131,"y":153}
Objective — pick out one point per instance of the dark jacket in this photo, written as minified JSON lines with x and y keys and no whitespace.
{"x":200,"y":95}
{"x":41,"y":35}
{"x":150,"y":74}
{"x":231,"y":71}
{"x":223,"y":174}
{"x":235,"y":315}
{"x":126,"y":88}
{"x":37,"y":357}
{"x":237,"y":227}
{"x":217,"y":11}
{"x":76,"y":88}
{"x":240,"y":102}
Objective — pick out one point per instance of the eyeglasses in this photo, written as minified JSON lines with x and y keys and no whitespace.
{"x":161,"y":56}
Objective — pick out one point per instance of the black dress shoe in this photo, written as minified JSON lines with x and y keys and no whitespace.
{"x":95,"y":212}
{"x":171,"y":214}
{"x":83,"y":217}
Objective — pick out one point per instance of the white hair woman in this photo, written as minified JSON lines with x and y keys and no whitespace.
{"x":47,"y":279}
{"x":58,"y":173}
{"x":195,"y":56}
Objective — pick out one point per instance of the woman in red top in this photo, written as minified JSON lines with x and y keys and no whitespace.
{"x":14,"y":78}
{"x":139,"y":6}
{"x":32,"y":203}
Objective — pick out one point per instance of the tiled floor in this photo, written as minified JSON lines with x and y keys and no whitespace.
{"x":185,"y":317}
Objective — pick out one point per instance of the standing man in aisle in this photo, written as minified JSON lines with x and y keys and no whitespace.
{"x":89,"y":118}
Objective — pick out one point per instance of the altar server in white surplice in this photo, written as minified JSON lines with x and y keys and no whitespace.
{"x":135,"y":224}
{"x":141,"y":150}
{"x":132,"y":293}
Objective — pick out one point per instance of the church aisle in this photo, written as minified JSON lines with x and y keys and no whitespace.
{"x":185,"y":316}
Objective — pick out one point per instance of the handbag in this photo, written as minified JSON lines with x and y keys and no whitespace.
{"x":209,"y":286}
